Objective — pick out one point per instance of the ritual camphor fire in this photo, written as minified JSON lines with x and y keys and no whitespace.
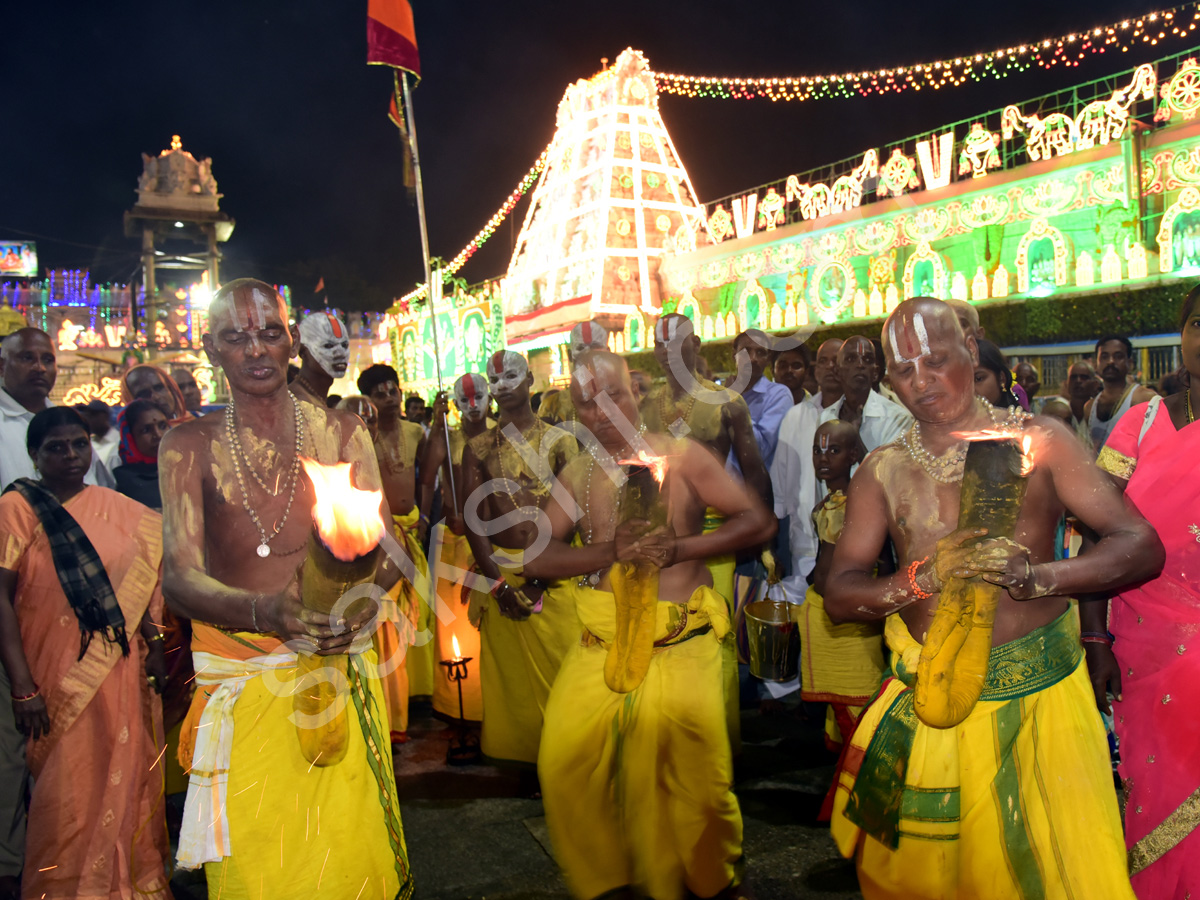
{"x":635,"y":586}
{"x":954,"y":659}
{"x":343,"y":552}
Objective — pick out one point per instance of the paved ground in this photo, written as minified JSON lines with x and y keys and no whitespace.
{"x":474,"y":833}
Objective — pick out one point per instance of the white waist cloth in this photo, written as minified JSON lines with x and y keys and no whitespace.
{"x":205,"y":833}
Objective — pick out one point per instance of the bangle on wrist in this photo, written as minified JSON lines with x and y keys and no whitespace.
{"x":912,"y":579}
{"x":25,"y":699}
{"x":499,"y":585}
{"x":1097,"y":637}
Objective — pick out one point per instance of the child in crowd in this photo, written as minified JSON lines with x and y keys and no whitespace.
{"x":841,"y":665}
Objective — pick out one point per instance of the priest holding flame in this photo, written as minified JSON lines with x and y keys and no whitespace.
{"x":981,"y":768}
{"x":635,"y":762}
{"x":291,"y":787}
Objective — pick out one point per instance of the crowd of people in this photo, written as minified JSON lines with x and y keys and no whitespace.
{"x":595,"y":547}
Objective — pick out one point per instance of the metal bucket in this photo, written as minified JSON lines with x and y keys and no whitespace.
{"x":774,"y":640}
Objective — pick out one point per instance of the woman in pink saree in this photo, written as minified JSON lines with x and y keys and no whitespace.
{"x":1152,"y":658}
{"x":79,"y":596}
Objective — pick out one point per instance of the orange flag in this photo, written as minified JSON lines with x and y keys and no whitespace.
{"x":391,"y":37}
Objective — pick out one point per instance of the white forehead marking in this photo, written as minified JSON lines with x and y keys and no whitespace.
{"x":258,"y":312}
{"x":918,"y":322}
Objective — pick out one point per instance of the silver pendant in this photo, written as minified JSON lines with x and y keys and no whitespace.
{"x":263,"y":551}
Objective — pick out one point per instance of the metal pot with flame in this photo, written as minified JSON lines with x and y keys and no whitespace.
{"x":343,"y":553}
{"x":635,"y":586}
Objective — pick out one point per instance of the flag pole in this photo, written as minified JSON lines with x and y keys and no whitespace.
{"x":429,"y":287}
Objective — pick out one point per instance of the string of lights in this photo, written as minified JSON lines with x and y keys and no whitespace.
{"x":1066,"y":50}
{"x":488,"y":229}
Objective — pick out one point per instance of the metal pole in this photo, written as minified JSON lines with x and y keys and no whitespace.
{"x":429,"y":287}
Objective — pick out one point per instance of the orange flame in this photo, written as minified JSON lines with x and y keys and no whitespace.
{"x":656,"y":464}
{"x":1002,"y":434}
{"x":348,"y":520}
{"x":457,"y":650}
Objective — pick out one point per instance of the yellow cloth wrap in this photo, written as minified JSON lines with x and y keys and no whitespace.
{"x":455,"y":557}
{"x":518,"y":664}
{"x":838,"y":663}
{"x":635,"y":595}
{"x":420,"y":659}
{"x":721,"y":569}
{"x":297,"y":830}
{"x":637,"y":786}
{"x":1013,"y":803}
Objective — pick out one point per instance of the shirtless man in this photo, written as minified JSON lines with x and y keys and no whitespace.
{"x":450,"y":550}
{"x":585,"y":336}
{"x":897,"y":809}
{"x":236,"y":523}
{"x":324,"y":356}
{"x":400,"y":447}
{"x":637,"y":782}
{"x":526,"y":628}
{"x":1114,"y":356}
{"x":717,"y":418}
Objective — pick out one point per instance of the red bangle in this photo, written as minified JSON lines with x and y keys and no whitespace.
{"x":1094,"y":638}
{"x":27,"y":697}
{"x":912,"y":578}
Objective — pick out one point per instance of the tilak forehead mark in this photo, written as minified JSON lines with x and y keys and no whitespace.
{"x":909,"y":352}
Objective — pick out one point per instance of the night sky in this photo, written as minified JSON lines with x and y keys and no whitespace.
{"x":277,"y":92}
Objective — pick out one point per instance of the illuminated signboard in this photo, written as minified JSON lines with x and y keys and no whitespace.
{"x":18,"y":259}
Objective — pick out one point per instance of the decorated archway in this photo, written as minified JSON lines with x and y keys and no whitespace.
{"x":832,"y":290}
{"x":925,"y":274}
{"x":1180,"y":223}
{"x":1037,"y":269}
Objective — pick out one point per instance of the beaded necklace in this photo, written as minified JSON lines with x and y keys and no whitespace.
{"x":949,"y":468}
{"x":593,"y":578}
{"x":239,"y":455}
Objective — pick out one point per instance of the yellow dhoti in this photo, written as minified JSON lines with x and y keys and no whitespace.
{"x":404,"y":638}
{"x":518,"y":665}
{"x":637,"y":785}
{"x":455,"y":557}
{"x":1015,"y":802}
{"x":839,"y":664}
{"x":263,"y":820}
{"x":722,"y":570}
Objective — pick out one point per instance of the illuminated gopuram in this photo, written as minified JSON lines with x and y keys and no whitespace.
{"x":611,"y":200}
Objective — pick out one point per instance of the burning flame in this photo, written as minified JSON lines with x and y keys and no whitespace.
{"x":1001,"y":434}
{"x":457,"y":650}
{"x":656,"y":464}
{"x":348,"y":520}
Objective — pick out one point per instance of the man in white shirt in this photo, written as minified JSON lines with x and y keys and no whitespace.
{"x":879,"y":420}
{"x":106,"y":439}
{"x":28,"y":370}
{"x":826,"y":371}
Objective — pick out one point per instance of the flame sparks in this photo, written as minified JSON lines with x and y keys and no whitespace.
{"x":347,"y":519}
{"x":656,"y":464}
{"x":1002,"y":434}
{"x":454,"y":643}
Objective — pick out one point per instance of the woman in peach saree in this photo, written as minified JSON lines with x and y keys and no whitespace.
{"x":79,"y":595}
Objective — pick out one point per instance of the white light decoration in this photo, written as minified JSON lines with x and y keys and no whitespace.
{"x":1085,"y":269}
{"x":1110,"y":265}
{"x":979,"y":285}
{"x":1136,"y":255}
{"x":611,"y":162}
{"x":936,"y":160}
{"x":1000,"y":282}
